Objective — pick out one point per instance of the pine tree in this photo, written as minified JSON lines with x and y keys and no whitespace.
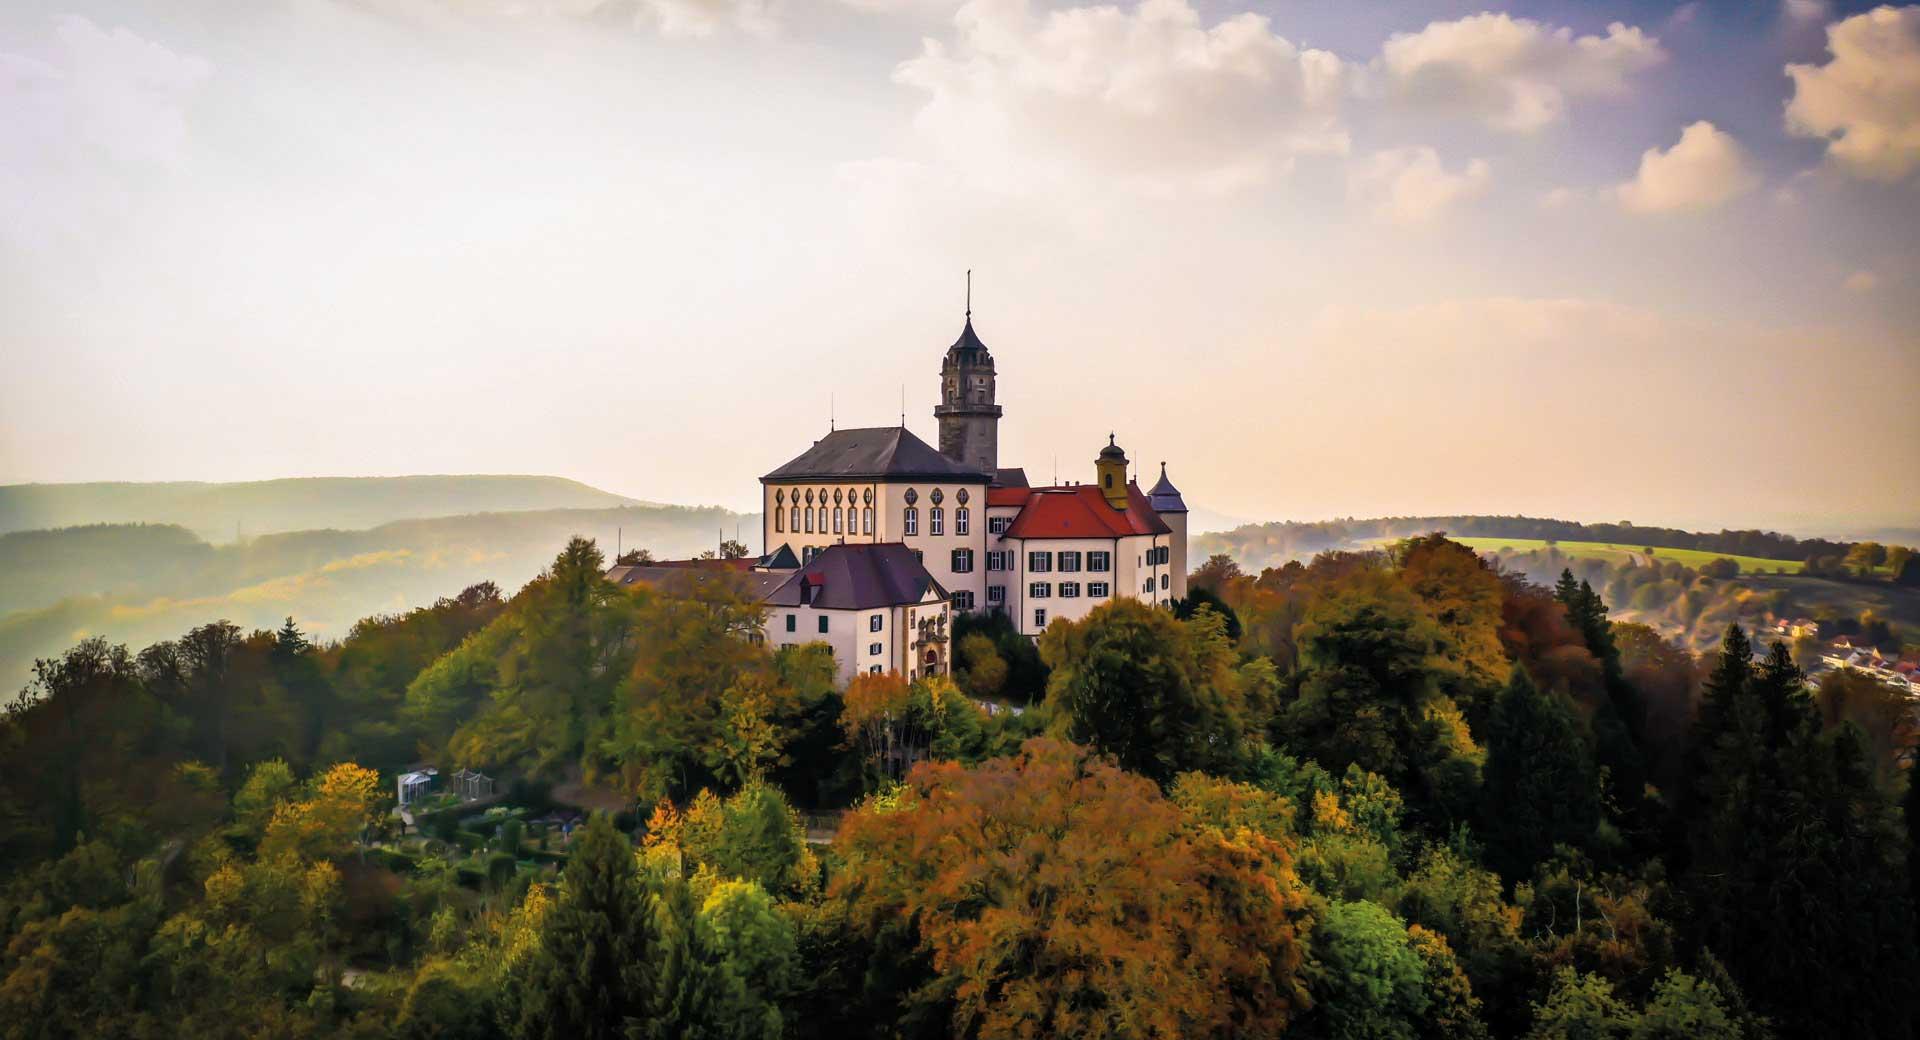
{"x":1540,"y":786}
{"x":1732,"y":673}
{"x":1619,"y":724}
{"x":1797,"y":877}
{"x":591,"y":979}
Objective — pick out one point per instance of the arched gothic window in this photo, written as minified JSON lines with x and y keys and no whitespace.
{"x":866,"y":520}
{"x":936,"y":521}
{"x":823,"y":516}
{"x":779,"y":518}
{"x":809,"y":521}
{"x":910,"y":521}
{"x":962,"y":520}
{"x":793,"y":519}
{"x":836,"y":519}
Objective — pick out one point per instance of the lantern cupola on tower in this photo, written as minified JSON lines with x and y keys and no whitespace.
{"x":1111,"y":471}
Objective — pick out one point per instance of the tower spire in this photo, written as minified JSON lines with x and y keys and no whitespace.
{"x":969,"y":294}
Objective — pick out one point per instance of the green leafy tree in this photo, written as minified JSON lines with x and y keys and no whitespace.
{"x":1865,"y":556}
{"x":1540,"y":788}
{"x":1581,"y":1007}
{"x":1364,"y":647}
{"x":750,"y":958}
{"x":1160,"y":695}
{"x":1685,"y":1008}
{"x":1368,"y":981}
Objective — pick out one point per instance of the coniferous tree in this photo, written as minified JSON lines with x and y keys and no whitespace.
{"x":593,"y":976}
{"x":1724,"y":686}
{"x":1619,"y":724}
{"x":1540,"y":788}
{"x":1798,"y":875}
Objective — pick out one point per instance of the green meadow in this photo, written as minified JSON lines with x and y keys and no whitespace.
{"x":1621,"y":553}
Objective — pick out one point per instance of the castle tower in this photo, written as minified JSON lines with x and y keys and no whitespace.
{"x":969,"y":418}
{"x":1111,"y":471}
{"x":1167,"y":502}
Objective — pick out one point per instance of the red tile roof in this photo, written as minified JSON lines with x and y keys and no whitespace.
{"x":1082,"y":512}
{"x":1008,"y":496}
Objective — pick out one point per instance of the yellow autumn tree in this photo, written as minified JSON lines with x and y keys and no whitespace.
{"x":1054,"y":894}
{"x":326,"y":823}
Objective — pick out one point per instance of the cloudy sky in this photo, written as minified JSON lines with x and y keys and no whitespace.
{"x":1654,"y":262}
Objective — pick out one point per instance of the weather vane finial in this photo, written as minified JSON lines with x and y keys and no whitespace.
{"x":969,"y":294}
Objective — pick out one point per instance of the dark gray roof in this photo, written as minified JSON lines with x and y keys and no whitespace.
{"x":1010,"y":477}
{"x":878,"y":453}
{"x":781,"y":559}
{"x":1164,"y":496}
{"x":968,"y":350}
{"x":860,"y":576}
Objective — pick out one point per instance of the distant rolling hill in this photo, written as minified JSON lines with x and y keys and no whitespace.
{"x":140,"y":583}
{"x":215,"y":512}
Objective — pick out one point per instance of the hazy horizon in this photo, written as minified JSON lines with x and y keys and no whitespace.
{"x":1654,"y":263}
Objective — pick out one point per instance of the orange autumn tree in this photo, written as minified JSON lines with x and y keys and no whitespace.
{"x":1054,"y":894}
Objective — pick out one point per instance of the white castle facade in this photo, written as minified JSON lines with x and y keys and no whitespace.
{"x":989,"y":539}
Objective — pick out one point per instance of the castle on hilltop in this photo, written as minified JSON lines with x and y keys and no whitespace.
{"x":873,"y":539}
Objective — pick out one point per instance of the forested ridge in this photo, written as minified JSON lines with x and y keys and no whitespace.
{"x":139,"y":583}
{"x":1274,"y":543}
{"x":1404,"y":793}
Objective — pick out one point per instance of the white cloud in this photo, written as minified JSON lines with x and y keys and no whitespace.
{"x":706,"y":17}
{"x":1515,"y":74}
{"x":1411,"y":186}
{"x":1866,"y":99}
{"x":1148,"y":96}
{"x":673,"y":18}
{"x":1862,"y":281}
{"x":1806,"y":10}
{"x":1704,"y":169}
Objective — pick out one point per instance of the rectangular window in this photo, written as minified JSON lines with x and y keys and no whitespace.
{"x":875,"y":670}
{"x":996,"y":594}
{"x":1164,"y":582}
{"x":963,"y":561}
{"x":823,"y":623}
{"x":836,"y":519}
{"x":1039,"y":562}
{"x":1069,"y":590}
{"x":790,"y":622}
{"x":1039,"y":590}
{"x":780,"y":520}
{"x":962,"y":520}
{"x":1069,"y":562}
{"x":876,"y":622}
{"x":937,"y":521}
{"x":1040,"y":617}
{"x":809,"y":521}
{"x":1097,"y":590}
{"x":876,"y":649}
{"x":997,"y":525}
{"x":1100,"y":562}
{"x":963,"y":600}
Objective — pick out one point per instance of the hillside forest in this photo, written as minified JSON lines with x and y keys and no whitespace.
{"x":1405,"y":792}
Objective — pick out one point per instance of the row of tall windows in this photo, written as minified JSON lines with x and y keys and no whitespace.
{"x":839,"y":520}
